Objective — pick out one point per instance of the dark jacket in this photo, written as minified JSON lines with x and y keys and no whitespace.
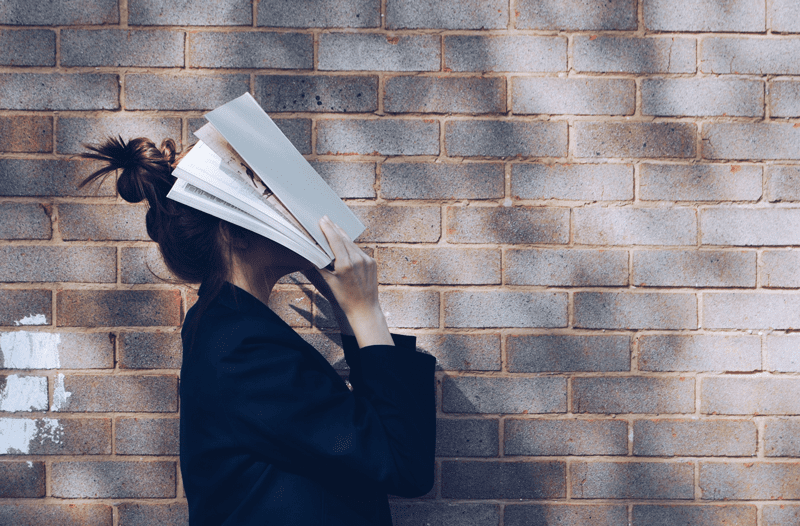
{"x":271,"y":435}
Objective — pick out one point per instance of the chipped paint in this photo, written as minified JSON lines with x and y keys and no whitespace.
{"x":60,"y":396}
{"x":33,"y":319}
{"x":29,"y":350}
{"x":17,"y":434}
{"x":24,"y":393}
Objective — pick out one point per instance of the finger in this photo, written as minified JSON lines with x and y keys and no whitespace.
{"x":335,"y":240}
{"x":352,"y":250}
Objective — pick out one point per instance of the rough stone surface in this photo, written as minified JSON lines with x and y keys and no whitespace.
{"x":634,"y":54}
{"x":579,"y":182}
{"x":701,"y":352}
{"x":149,"y":350}
{"x":24,"y":134}
{"x":56,"y":91}
{"x":27,"y":47}
{"x":635,"y":139}
{"x":51,"y":178}
{"x":190,"y":13}
{"x":113,"y":480}
{"x":251,"y":50}
{"x":692,"y":268}
{"x":750,"y":481}
{"x":780,"y":269}
{"x":410,"y":308}
{"x":705,"y":15}
{"x":494,"y":138}
{"x":444,"y":513}
{"x":47,"y":13}
{"x":575,"y":96}
{"x":507,"y":225}
{"x":85,"y":436}
{"x":476,"y":394}
{"x":565,"y":437}
{"x":626,"y":310}
{"x":699,"y":182}
{"x":147,"y":436}
{"x":733,"y":395}
{"x":319,"y":13}
{"x":466,"y":438}
{"x":780,"y":514}
{"x":523,"y":53}
{"x":503,"y":480}
{"x":567,"y":267}
{"x":632,"y":480}
{"x":143,"y":265}
{"x":377,"y":137}
{"x":783,"y":353}
{"x":447,"y":14}
{"x":105,"y":308}
{"x":751,"y":310}
{"x":73,"y":350}
{"x":635,"y":226}
{"x":505,"y":309}
{"x":561,"y":353}
{"x":354,"y":94}
{"x":633,"y":394}
{"x":47,"y":264}
{"x":377,"y":52}
{"x":115,"y":47}
{"x":444,"y":95}
{"x":687,"y":438}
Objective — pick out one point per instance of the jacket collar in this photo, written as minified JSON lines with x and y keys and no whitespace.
{"x":234,"y":297}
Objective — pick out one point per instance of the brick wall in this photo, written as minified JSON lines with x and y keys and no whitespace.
{"x":585,"y":210}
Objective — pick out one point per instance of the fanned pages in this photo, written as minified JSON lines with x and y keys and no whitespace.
{"x":245,"y":171}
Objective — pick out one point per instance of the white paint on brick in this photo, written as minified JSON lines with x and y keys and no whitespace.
{"x":32,"y":319}
{"x":24,"y":393}
{"x":60,"y":395}
{"x":30,"y":350}
{"x":16,"y":434}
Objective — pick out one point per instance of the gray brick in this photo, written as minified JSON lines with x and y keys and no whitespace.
{"x":147,"y":436}
{"x":399,"y":224}
{"x":743,"y":56}
{"x":149,"y":350}
{"x":751,"y":141}
{"x":633,"y":394}
{"x":704,"y":15}
{"x":73,"y":132}
{"x":635,"y":226}
{"x":699,"y":352}
{"x":576,"y":14}
{"x":25,"y":307}
{"x":477,"y":394}
{"x":780,"y":269}
{"x":190,"y":13}
{"x":699,"y":182}
{"x":25,"y":134}
{"x":447,"y":14}
{"x":444,"y":95}
{"x":534,"y":353}
{"x":507,"y":225}
{"x":688,"y":438}
{"x":782,"y":437}
{"x":703,"y":97}
{"x":113,"y":480}
{"x":37,"y":513}
{"x":584,"y":182}
{"x":780,"y":514}
{"x":506,"y":138}
{"x":25,"y":221}
{"x":444,"y":513}
{"x":426,"y":266}
{"x":783,"y":183}
{"x":505,"y":309}
{"x":462,"y":352}
{"x":379,"y":52}
{"x":566,"y":267}
{"x":315,"y":93}
{"x":503,"y":480}
{"x":565,"y":437}
{"x":783,"y":16}
{"x":750,"y":227}
{"x":102,"y":222}
{"x":505,"y":53}
{"x":50,"y":177}
{"x":22,"y":479}
{"x":48,"y":436}
{"x":348,"y":179}
{"x":377,"y":137}
{"x":186,"y":92}
{"x":251,"y":50}
{"x":410,"y":307}
{"x":319,"y":13}
{"x":48,"y":13}
{"x":607,"y":54}
{"x":692,"y":268}
{"x":635,"y":139}
{"x":632,"y":480}
{"x":298,"y":131}
{"x":114,"y":308}
{"x":653,"y":514}
{"x":61,"y":350}
{"x":750,"y":481}
{"x":564,"y":514}
{"x":738,"y":395}
{"x":627,"y":310}
{"x":120,"y":393}
{"x":41,"y":263}
{"x":751,"y":310}
{"x":143,"y":265}
{"x":27,"y":47}
{"x":574,"y":96}
{"x":115,"y":47}
{"x":466,"y":438}
{"x":442,"y":180}
{"x":784,"y":99}
{"x":783,"y":353}
{"x":54,"y":91}
{"x":141,"y":514}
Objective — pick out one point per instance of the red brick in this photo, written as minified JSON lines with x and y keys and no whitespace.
{"x":387,"y":224}
{"x":21,"y":479}
{"x":633,"y":394}
{"x":141,"y":514}
{"x":25,"y":307}
{"x":61,"y":514}
{"x":120,"y":393}
{"x":107,"y":308}
{"x":50,"y":177}
{"x":25,"y":133}
{"x":519,"y":224}
{"x":750,"y":481}
{"x":446,"y":266}
{"x":113,"y":480}
{"x":632,"y":480}
{"x":691,"y":438}
{"x":147,"y":436}
{"x":25,"y":221}
{"x":143,"y":265}
{"x":565,"y":437}
{"x":149,"y":350}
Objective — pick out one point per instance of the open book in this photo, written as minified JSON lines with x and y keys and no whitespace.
{"x":244,"y":170}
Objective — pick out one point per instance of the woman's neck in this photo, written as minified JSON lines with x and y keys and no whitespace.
{"x":258,"y":281}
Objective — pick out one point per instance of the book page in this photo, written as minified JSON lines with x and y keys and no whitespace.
{"x":267,"y":151}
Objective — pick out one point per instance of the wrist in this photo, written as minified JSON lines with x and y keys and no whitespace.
{"x":369,"y":326}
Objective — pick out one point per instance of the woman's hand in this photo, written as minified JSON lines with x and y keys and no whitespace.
{"x":354,"y":286}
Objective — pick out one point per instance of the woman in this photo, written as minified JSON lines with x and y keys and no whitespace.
{"x":270,"y":434}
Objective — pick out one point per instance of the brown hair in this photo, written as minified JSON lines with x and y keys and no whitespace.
{"x":188,"y":239}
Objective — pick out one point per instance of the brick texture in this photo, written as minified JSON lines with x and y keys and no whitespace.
{"x":587,"y":212}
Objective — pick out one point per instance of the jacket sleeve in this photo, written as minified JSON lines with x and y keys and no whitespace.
{"x":287,"y":408}
{"x":352,"y":355}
